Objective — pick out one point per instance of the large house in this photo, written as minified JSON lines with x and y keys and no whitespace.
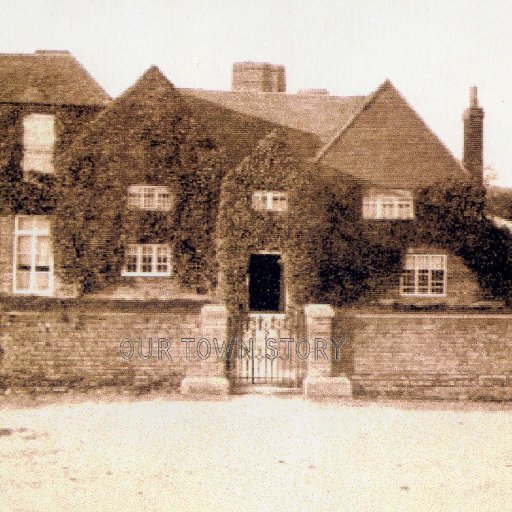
{"x":131,"y":225}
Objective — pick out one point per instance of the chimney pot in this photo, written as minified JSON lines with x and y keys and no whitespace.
{"x":473,"y":96}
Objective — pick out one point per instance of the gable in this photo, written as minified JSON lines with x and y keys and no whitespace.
{"x":387,"y":144}
{"x":131,"y":131}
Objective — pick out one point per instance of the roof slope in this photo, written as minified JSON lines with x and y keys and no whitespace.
{"x":387,"y":144}
{"x":317,"y":114}
{"x":234,"y":125}
{"x":54,"y":78}
{"x":132,"y":124}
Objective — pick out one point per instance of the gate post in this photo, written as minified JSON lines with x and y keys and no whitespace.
{"x":205,"y":372}
{"x":320,"y":382}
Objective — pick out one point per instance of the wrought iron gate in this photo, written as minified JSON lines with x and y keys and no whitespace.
{"x":256,"y":363}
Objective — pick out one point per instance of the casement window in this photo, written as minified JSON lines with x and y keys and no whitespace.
{"x":147,"y":260}
{"x":38,"y":142}
{"x":270,"y":200}
{"x":148,"y":197}
{"x":33,"y":257}
{"x":424,"y":275}
{"x":390,"y":204}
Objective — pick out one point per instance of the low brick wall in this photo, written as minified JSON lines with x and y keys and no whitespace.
{"x":62,"y":345}
{"x":445,"y":356}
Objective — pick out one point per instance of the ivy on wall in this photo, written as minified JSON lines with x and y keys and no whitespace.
{"x":151,"y":132}
{"x":92,"y":222}
{"x":334,"y":256}
{"x":331,"y":254}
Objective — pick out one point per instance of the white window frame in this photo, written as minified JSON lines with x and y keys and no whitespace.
{"x":268,"y":200}
{"x":388,"y":205}
{"x":155,"y":250}
{"x":149,"y":197}
{"x":431,"y":263}
{"x":44,"y":150}
{"x":35,"y":231}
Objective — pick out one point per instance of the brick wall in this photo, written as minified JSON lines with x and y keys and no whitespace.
{"x":446,"y":356}
{"x":66,"y":344}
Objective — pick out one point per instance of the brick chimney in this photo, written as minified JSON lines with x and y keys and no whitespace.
{"x":258,"y":77}
{"x":473,"y":153}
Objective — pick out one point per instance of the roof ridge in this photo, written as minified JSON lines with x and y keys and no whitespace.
{"x":369,"y":99}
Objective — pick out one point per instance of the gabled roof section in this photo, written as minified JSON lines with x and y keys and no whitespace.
{"x":123,"y":128}
{"x":46,"y":77}
{"x":386,"y":143}
{"x":317,"y":114}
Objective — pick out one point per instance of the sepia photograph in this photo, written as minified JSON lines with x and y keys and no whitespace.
{"x":255,"y":255}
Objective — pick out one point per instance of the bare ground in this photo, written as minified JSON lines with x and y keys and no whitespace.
{"x":253,"y":453}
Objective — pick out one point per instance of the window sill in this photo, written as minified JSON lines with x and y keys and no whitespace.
{"x":140,"y":274}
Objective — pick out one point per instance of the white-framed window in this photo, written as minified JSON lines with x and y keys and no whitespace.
{"x":424,"y":275}
{"x":147,"y":260}
{"x":388,"y":204}
{"x":149,"y":197}
{"x":270,"y":200}
{"x":33,"y":255}
{"x":38,"y":142}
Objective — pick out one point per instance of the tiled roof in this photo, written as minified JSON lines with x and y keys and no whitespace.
{"x":54,"y":78}
{"x":317,"y":114}
{"x":386,"y":143}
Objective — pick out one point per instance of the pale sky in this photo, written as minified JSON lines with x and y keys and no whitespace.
{"x":433,"y":51}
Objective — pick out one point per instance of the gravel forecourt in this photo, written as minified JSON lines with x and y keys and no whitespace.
{"x":253,"y":453}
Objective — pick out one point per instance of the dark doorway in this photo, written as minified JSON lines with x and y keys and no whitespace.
{"x":265,"y":282}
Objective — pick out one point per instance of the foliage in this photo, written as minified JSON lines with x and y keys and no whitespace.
{"x":334,"y":256}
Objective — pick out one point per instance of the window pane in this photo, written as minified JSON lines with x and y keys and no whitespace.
{"x":43,"y":252}
{"x":369,"y":209}
{"x":39,"y":130}
{"x":22,"y":280}
{"x":147,"y":259}
{"x":438,"y":281}
{"x":409,"y":262}
{"x":148,"y":198}
{"x":279,"y":201}
{"x":163,"y":200}
{"x":26,"y":223}
{"x":42,"y":281}
{"x":407,"y":281}
{"x":134,"y":198}
{"x":259,"y":200}
{"x":162,"y":259}
{"x":437,"y":262}
{"x":423,"y":281}
{"x":130,"y":258}
{"x":388,"y":210}
{"x":38,"y":141}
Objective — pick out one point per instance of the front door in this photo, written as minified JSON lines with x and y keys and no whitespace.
{"x":265,"y":283}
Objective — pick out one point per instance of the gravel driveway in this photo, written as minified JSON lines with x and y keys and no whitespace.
{"x":254,"y":452}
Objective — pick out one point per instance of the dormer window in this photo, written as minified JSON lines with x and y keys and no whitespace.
{"x":270,"y":200}
{"x":148,"y":197}
{"x":388,"y":204}
{"x":38,"y":142}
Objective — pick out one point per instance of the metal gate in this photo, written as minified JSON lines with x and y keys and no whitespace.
{"x":256,"y":363}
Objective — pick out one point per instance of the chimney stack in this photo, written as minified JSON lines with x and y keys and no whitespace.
{"x":258,"y":77}
{"x":473,"y":153}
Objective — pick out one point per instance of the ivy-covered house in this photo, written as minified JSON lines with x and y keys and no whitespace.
{"x":247,"y":214}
